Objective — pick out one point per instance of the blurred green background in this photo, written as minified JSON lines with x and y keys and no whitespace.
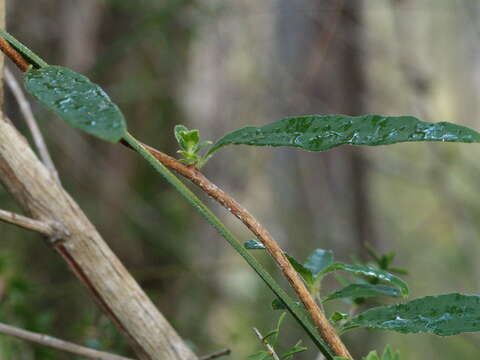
{"x":219,"y":65}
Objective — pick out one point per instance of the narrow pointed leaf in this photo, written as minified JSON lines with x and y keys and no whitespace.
{"x":278,"y":304}
{"x":294,"y":350}
{"x":305,"y":273}
{"x":371,"y":272}
{"x":372,"y":355}
{"x":442,"y":315}
{"x":262,"y":355}
{"x":338,"y":316}
{"x":77,"y":100}
{"x":323,"y":132}
{"x":319,"y":260}
{"x":364,"y":290}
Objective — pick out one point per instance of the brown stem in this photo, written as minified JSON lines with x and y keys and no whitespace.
{"x":13,"y":54}
{"x":326,"y":330}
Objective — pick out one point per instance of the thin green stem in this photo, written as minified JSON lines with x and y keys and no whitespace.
{"x":295,"y":310}
{"x":28,"y":54}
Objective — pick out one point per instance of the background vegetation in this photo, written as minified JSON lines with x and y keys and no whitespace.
{"x":217,"y":66}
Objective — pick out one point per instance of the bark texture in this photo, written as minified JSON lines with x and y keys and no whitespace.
{"x":88,"y":256}
{"x":86,"y":253}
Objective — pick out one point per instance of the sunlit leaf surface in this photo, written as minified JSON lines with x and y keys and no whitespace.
{"x":364,"y":290}
{"x":323,"y":132}
{"x":370,"y":272}
{"x":77,"y":100}
{"x":442,"y":315}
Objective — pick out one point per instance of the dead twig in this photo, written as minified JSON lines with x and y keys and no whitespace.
{"x":27,"y":113}
{"x":57,"y":344}
{"x":265,"y":343}
{"x":24,"y":222}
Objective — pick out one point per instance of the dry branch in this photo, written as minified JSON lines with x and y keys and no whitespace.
{"x":27,"y":113}
{"x":87,"y":254}
{"x":42,"y":227}
{"x":58,"y":344}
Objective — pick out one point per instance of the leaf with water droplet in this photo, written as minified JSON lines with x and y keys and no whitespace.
{"x":363,"y":290}
{"x":77,"y":100}
{"x":318,"y":260}
{"x":370,"y":272}
{"x":323,"y":132}
{"x":443,"y":315}
{"x":253,"y":245}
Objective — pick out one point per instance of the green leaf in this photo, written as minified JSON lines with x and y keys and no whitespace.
{"x":254,"y":245}
{"x":270,"y":333}
{"x":305,"y":273}
{"x":179,"y":130}
{"x":77,"y":100}
{"x":319,"y":260}
{"x":389,"y":354}
{"x":261,"y":355}
{"x":364,"y":290}
{"x":372,"y":355}
{"x":323,"y":132}
{"x":294,"y":350}
{"x":370,"y":272}
{"x":278,"y":304}
{"x":338,"y":316}
{"x":442,"y":315}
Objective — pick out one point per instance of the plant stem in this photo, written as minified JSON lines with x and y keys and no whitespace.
{"x":326,"y":330}
{"x":235,"y":243}
{"x":26,"y":53}
{"x":265,"y":343}
{"x":14,"y":55}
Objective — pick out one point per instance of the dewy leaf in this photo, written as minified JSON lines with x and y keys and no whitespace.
{"x":372,"y":272}
{"x":442,"y":315}
{"x":77,"y":100}
{"x":323,"y":132}
{"x":319,"y":260}
{"x":364,"y":290}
